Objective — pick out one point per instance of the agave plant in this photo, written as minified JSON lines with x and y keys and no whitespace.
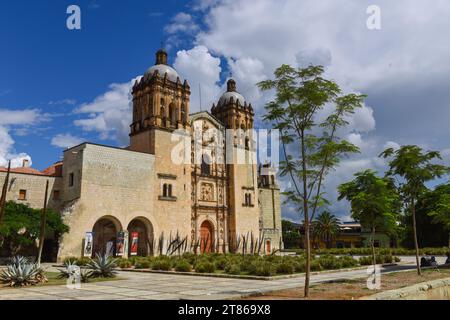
{"x":18,"y":261}
{"x":70,"y":270}
{"x":20,"y":272}
{"x":103,"y":266}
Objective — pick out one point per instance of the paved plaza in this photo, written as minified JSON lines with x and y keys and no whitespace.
{"x":156,"y":286}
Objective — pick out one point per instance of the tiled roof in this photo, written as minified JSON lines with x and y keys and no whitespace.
{"x":51,"y":171}
{"x":54,"y":170}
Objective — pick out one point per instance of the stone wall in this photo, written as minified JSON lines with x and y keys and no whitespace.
{"x":35,"y":189}
{"x":114,"y":183}
{"x":431,"y":290}
{"x":269,"y":199}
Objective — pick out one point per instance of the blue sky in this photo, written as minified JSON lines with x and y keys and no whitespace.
{"x":46,"y":66}
{"x":59,"y":87}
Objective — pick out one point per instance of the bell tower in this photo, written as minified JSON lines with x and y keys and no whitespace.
{"x":160,"y":102}
{"x":237,"y":115}
{"x":160,"y":119}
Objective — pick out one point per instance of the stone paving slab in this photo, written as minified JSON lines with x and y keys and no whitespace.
{"x":164,"y":287}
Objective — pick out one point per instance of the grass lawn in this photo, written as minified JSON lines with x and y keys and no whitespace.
{"x":354,"y":289}
{"x":53,"y":280}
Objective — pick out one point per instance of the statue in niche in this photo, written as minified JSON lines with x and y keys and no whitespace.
{"x":207,"y":192}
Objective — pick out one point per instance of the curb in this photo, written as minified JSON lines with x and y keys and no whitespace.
{"x":248,"y":277}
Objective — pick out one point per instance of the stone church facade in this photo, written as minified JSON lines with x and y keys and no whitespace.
{"x":184,"y":176}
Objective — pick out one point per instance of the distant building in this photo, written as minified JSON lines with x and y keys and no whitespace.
{"x":350,"y":235}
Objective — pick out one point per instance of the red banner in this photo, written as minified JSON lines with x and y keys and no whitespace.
{"x":134,"y":243}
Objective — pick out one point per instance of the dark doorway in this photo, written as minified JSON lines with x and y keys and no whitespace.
{"x":144,"y":232}
{"x":105,"y":233}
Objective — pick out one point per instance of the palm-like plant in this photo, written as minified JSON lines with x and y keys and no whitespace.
{"x":103,"y":266}
{"x":326,"y":227}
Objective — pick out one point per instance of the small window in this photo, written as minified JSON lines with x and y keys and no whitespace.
{"x":165,"y":190}
{"x":22,"y":194}
{"x":169,"y":190}
{"x":71,"y":179}
{"x":56,"y":195}
{"x":205,"y":167}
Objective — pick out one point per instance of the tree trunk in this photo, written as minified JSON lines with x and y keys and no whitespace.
{"x":416,"y":243}
{"x":306,"y":213}
{"x":43,"y":222}
{"x":374,"y":257}
{"x":449,"y":240}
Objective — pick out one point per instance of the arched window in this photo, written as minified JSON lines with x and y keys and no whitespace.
{"x":247,"y":143}
{"x":169,"y":190}
{"x":165,"y":190}
{"x":247,"y":199}
{"x":173,"y":114}
{"x":206,"y":165}
{"x":183,"y":113}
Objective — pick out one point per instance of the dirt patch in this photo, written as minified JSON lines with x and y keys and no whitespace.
{"x":354,"y":289}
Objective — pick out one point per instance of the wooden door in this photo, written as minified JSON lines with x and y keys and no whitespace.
{"x":206,"y":237}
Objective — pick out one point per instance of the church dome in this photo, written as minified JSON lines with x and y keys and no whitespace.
{"x":231,"y":94}
{"x":162,"y":69}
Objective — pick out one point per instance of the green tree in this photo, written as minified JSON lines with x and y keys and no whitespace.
{"x":311,"y":148}
{"x":326,"y":227}
{"x":430,"y":232}
{"x":21,"y":226}
{"x":415,"y":168}
{"x":373,"y":202}
{"x":291,"y":234}
{"x":441,"y":207}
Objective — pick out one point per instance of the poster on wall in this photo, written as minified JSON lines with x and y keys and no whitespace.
{"x":134,"y":243}
{"x":120,"y":245}
{"x":88,"y":242}
{"x":110,"y":248}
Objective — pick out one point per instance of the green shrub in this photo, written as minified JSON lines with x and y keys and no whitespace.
{"x":70,"y":260}
{"x":183,"y":266}
{"x":264,"y":269}
{"x":124,"y":263}
{"x":388,"y":258}
{"x":348,"y":262}
{"x":316,"y":266}
{"x":83,"y":261}
{"x":365,"y":261}
{"x":232,"y":268}
{"x":190,"y":257}
{"x":329,"y":262}
{"x":397,"y":259}
{"x":205,"y":267}
{"x":162,"y":264}
{"x":299,"y":266}
{"x":220,"y":263}
{"x":142,"y":264}
{"x":285,"y":268}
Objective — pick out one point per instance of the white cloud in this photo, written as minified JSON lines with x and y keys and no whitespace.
{"x":182,"y":22}
{"x":65,"y":140}
{"x":391,"y":144}
{"x":20,"y":121}
{"x":200,"y":68}
{"x":109,"y":114}
{"x":25,"y":117}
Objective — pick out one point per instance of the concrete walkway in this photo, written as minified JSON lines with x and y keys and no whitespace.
{"x":154,"y":286}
